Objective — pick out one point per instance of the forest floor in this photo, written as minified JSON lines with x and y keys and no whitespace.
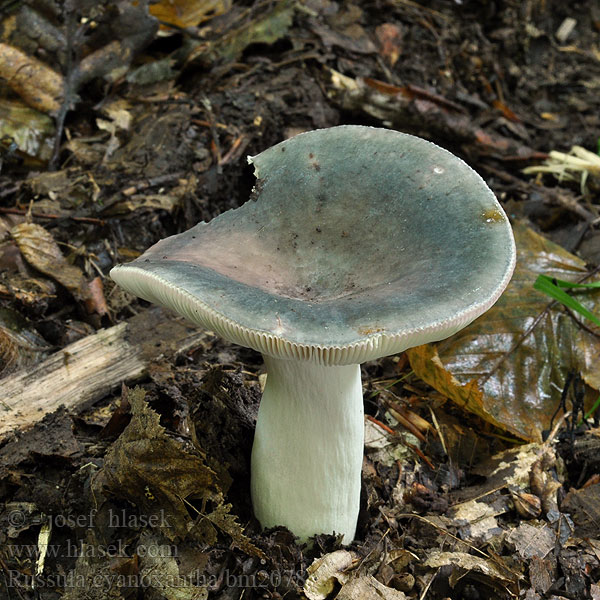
{"x":117,"y":131}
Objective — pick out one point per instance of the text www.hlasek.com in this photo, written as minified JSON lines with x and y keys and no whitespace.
{"x":71,"y":550}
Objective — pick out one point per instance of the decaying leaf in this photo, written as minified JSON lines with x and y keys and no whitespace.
{"x":368,"y":588}
{"x":41,"y":251}
{"x":584,"y":506}
{"x":468,"y":562}
{"x":188,"y":13}
{"x":506,"y":367}
{"x":325,"y":571}
{"x":160,"y":570}
{"x":32,"y":131}
{"x":228,"y":523}
{"x":512,"y":468}
{"x":155,"y":145}
{"x":530,"y":540}
{"x":32,"y":293}
{"x":60,"y":191}
{"x":344,"y":30}
{"x":476,"y":521}
{"x":152,"y":470}
{"x":162,"y":477}
{"x":267,"y":28}
{"x":53,"y":437}
{"x":140,"y":202}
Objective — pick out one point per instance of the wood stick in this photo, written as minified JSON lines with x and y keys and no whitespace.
{"x":87,"y":370}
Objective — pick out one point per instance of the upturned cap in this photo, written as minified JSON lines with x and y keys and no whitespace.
{"x":357,"y":243}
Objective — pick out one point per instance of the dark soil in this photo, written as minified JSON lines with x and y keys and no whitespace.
{"x":488,"y":80}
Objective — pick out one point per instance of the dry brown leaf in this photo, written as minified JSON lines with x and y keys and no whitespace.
{"x":487,"y":567}
{"x":159,"y":475}
{"x":490,"y":370}
{"x":366,"y":587}
{"x":267,"y":28}
{"x":532,"y":539}
{"x":41,"y":251}
{"x":584,"y":506}
{"x":188,"y":13}
{"x":227,"y":523}
{"x":153,"y":471}
{"x":331,"y":570}
{"x":95,"y":301}
{"x":325,"y":571}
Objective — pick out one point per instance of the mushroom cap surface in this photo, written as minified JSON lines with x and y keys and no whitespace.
{"x":357,"y":243}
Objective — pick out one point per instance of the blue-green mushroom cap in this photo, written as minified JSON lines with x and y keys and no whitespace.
{"x":357,"y":243}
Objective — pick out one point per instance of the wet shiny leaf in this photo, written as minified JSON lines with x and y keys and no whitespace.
{"x":510,"y":365}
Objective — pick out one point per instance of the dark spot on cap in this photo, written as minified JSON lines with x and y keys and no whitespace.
{"x":256,"y":190}
{"x":311,"y":155}
{"x":368,"y":330}
{"x":165,"y":256}
{"x":283,"y":148}
{"x":316,"y":166}
{"x":318,"y":229}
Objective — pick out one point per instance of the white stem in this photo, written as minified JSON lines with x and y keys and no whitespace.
{"x":308,"y":448}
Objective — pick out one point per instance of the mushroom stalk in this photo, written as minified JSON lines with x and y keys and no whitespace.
{"x":308,"y":448}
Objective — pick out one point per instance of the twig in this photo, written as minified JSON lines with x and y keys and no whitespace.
{"x":68,"y":92}
{"x":152,"y":182}
{"x":20,"y":211}
{"x":382,"y":425}
{"x":412,"y":447}
{"x":10,"y":190}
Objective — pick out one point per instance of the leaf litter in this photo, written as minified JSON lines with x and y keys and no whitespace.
{"x":146,"y":124}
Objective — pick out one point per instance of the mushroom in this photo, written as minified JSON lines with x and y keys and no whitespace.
{"x":357,"y":243}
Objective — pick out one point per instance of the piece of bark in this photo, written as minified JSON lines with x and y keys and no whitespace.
{"x":90,"y":368}
{"x":38,"y":85}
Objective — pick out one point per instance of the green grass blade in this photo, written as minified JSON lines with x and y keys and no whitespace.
{"x":552,"y":287}
{"x":567,"y":284}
